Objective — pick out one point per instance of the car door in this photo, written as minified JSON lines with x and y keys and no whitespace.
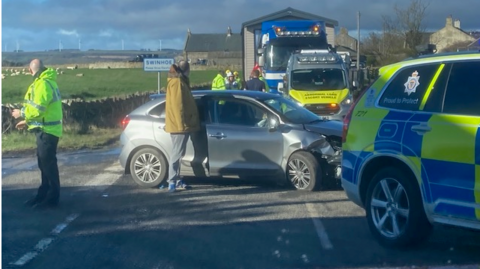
{"x":238,"y":141}
{"x":194,"y":162}
{"x":450,"y":155}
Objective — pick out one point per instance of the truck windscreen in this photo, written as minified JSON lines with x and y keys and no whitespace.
{"x":318,"y":79}
{"x":278,"y":50}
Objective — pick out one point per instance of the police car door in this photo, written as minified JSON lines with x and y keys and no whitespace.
{"x":450,"y":155}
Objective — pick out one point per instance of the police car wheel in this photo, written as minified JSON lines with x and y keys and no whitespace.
{"x":394,"y":208}
{"x":304,"y":172}
{"x":148,"y":168}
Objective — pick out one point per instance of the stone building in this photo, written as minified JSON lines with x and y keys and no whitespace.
{"x":451,"y":35}
{"x":344,"y":40}
{"x":219,"y":50}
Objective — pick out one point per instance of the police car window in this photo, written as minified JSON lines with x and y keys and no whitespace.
{"x":407,"y":88}
{"x":463,"y":90}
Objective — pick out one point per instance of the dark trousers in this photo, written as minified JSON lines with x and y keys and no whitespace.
{"x":49,"y":190}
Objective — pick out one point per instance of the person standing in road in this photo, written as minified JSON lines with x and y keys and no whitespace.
{"x":255,"y":84}
{"x":218,"y":82}
{"x":42,"y":114}
{"x":231,"y":82}
{"x":181,"y":119}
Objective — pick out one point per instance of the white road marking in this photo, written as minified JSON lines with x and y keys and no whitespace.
{"x":100,"y":183}
{"x":106,"y":178}
{"x":25,"y":258}
{"x":43,"y":244}
{"x":320,"y":229}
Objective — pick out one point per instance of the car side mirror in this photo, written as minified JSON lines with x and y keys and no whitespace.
{"x":273,"y":124}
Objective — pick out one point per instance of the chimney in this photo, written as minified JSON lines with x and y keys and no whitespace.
{"x":229,"y":31}
{"x":449,"y":21}
{"x":456,"y":24}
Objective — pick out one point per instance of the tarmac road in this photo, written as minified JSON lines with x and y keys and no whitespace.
{"x":106,"y":221}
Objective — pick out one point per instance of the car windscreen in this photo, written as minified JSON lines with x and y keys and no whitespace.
{"x":318,"y":79}
{"x":290,"y":110}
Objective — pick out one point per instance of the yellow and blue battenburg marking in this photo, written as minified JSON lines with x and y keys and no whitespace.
{"x":477,"y":173}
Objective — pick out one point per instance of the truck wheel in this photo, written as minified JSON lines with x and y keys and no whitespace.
{"x":304,"y":172}
{"x":395,"y":211}
{"x":148,"y":168}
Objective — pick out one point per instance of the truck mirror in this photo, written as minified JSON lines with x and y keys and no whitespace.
{"x":261,"y":61}
{"x":280,"y":87}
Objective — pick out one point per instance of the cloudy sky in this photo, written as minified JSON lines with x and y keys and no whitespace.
{"x":37,"y":25}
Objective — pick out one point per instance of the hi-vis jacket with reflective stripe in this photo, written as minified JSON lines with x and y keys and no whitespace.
{"x":218,"y":83}
{"x":42,"y":106}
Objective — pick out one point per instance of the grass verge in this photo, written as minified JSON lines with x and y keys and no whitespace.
{"x":24,"y":143}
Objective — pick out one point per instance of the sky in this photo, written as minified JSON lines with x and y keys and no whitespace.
{"x":38,"y":25}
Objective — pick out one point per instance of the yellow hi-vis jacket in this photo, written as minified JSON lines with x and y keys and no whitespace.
{"x":267,"y":89}
{"x":42,"y":106}
{"x":218,"y":83}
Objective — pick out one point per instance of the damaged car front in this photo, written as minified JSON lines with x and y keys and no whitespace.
{"x":310,"y":143}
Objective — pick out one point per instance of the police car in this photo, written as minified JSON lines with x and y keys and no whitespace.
{"x":411,"y":148}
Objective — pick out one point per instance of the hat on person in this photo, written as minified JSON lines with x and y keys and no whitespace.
{"x":229,"y":74}
{"x":235,"y":73}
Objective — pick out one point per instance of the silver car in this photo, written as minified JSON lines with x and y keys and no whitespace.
{"x":244,"y":134}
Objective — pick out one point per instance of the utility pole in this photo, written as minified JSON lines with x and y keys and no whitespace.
{"x":358,"y":40}
{"x":60,"y":45}
{"x":160,"y":45}
{"x":79,"y":44}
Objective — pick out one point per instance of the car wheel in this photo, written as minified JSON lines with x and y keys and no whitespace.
{"x":303,"y":171}
{"x":395,"y":211}
{"x":148,"y":168}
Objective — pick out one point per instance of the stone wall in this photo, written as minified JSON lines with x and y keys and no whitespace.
{"x":81,"y":116}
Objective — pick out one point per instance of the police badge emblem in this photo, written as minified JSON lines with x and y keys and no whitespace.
{"x":412,"y":83}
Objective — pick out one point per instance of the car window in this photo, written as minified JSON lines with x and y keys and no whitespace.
{"x":158,"y":111}
{"x":408,"y":87}
{"x":435,"y":97}
{"x":290,"y":111}
{"x":238,"y":112}
{"x":463,"y":90}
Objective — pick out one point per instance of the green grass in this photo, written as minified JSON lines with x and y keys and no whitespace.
{"x":98,"y":138}
{"x":99,"y":83}
{"x":95,"y":84}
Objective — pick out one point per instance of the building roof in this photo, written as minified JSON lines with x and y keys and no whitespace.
{"x":288,"y":12}
{"x":213,"y":42}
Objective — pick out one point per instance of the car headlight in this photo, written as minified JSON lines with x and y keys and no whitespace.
{"x":348,"y":100}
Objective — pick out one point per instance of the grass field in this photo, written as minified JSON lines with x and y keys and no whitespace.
{"x":98,"y":83}
{"x":95,"y":84}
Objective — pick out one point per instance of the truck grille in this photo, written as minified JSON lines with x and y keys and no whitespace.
{"x":323,"y":109}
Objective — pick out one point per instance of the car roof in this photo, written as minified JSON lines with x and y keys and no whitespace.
{"x":433,"y":58}
{"x":252,"y":94}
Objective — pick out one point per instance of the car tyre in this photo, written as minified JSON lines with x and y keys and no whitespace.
{"x":148,"y":168}
{"x":304,"y":171}
{"x":394,"y":209}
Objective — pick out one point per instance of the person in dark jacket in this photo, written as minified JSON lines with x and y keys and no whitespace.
{"x":255,"y":84}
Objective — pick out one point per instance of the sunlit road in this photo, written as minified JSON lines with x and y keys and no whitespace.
{"x":106,"y":221}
